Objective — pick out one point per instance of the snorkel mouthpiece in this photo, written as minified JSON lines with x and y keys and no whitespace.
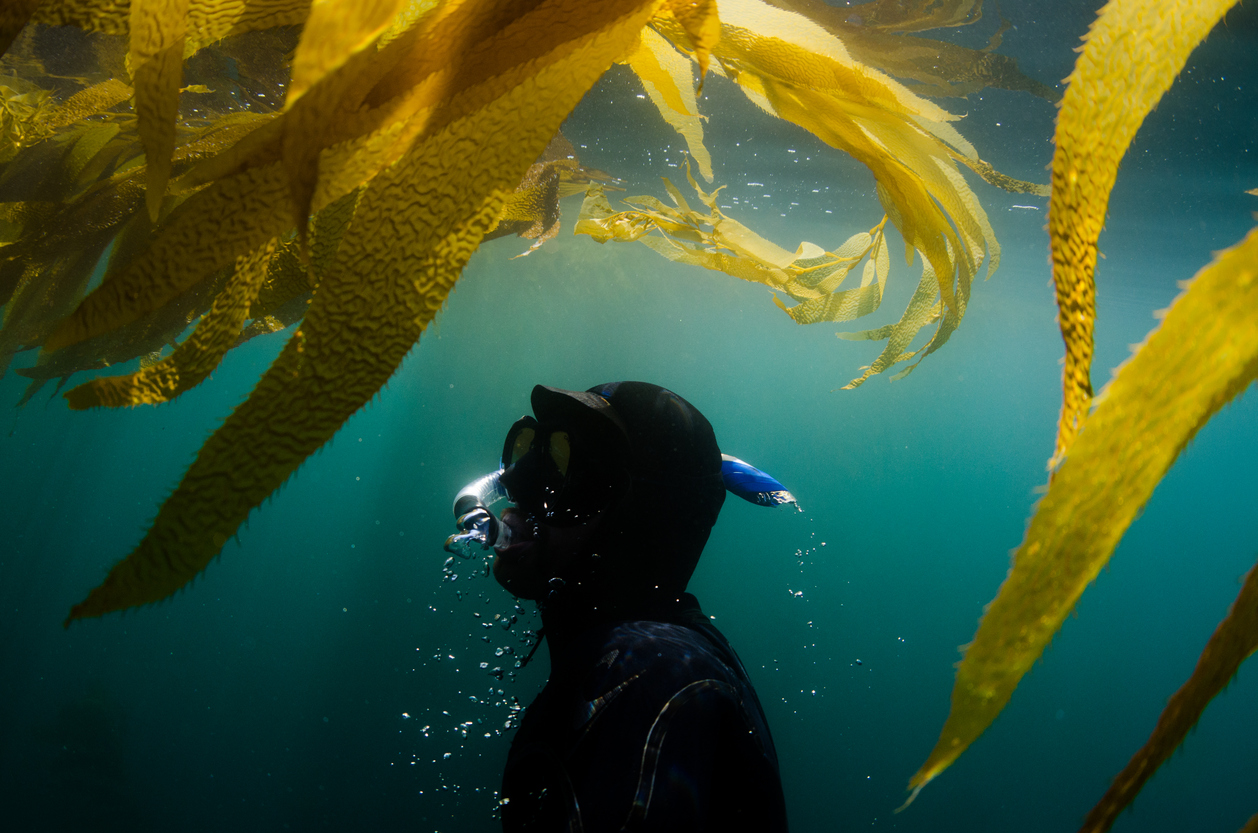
{"x":473,"y":516}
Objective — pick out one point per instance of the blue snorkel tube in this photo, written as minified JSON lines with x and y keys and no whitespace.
{"x":479,"y":525}
{"x":753,"y":485}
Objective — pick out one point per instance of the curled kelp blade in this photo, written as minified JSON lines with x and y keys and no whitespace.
{"x":669,"y":83}
{"x":923,"y":309}
{"x":1131,"y":56}
{"x":794,"y":69}
{"x":441,"y":196}
{"x":809,"y":275}
{"x":1232,"y":642}
{"x":1203,"y":354}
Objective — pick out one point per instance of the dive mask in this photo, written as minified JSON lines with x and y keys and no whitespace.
{"x":547,"y":474}
{"x":547,"y":478}
{"x":553,"y":476}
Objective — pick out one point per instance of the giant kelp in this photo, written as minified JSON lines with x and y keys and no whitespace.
{"x":799,"y":71}
{"x":350,"y":191}
{"x":345,"y":195}
{"x":1202,"y":355}
{"x":473,"y":136}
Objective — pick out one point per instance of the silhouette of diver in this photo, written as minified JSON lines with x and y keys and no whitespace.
{"x":649,"y":721}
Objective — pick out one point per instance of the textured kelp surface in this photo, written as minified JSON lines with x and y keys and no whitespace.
{"x":1203,"y":354}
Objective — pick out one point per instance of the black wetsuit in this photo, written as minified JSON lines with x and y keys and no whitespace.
{"x":647,"y":724}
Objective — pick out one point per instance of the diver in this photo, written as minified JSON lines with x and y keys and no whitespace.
{"x":648,"y":721}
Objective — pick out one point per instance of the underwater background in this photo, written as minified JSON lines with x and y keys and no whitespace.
{"x":327,"y":672}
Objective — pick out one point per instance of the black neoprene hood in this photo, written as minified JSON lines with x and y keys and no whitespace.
{"x":674,"y":463}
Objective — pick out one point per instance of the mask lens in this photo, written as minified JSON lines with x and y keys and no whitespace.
{"x":546,"y":476}
{"x":519,"y":440}
{"x":523,"y":442}
{"x":560,"y":451}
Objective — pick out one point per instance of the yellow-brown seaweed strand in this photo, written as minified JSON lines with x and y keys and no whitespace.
{"x":1203,"y":354}
{"x":157,"y":38}
{"x":1131,"y":56}
{"x":193,"y":360}
{"x":413,"y":230}
{"x":228,"y":219}
{"x":1232,"y":642}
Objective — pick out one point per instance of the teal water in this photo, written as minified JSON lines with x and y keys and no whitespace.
{"x":324,"y":673}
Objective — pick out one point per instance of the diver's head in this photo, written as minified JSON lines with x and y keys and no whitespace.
{"x":615,"y":490}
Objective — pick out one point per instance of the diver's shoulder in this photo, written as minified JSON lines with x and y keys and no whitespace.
{"x":662,"y":648}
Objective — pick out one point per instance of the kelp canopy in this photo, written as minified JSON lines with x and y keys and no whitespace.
{"x":254,"y":166}
{"x":327,"y":169}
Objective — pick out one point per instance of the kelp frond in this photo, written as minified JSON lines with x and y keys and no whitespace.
{"x":434,"y":155}
{"x":1201,"y":356}
{"x":796,"y":70}
{"x":1093,"y":133}
{"x":810,"y":275}
{"x":1234,"y":641}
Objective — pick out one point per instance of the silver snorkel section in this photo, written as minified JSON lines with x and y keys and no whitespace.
{"x":479,"y":525}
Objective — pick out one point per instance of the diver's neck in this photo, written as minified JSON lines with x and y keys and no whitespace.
{"x":574,"y":624}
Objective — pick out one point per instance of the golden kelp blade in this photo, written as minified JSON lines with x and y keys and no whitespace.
{"x":215,"y":226}
{"x":156,"y":59}
{"x":1203,"y":354}
{"x":1131,"y":56}
{"x":383,"y":289}
{"x":923,"y":309}
{"x":335,"y":31}
{"x":1231,"y":643}
{"x":810,"y":274}
{"x":1251,"y":826}
{"x":795,"y":70}
{"x":702,"y":25}
{"x":193,"y":360}
{"x":669,"y":83}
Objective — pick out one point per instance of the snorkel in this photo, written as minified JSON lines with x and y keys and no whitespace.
{"x":475,"y":519}
{"x":479,"y":525}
